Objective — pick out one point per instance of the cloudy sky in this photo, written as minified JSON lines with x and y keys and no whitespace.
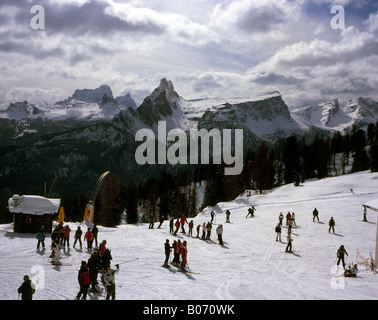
{"x":208,"y":48}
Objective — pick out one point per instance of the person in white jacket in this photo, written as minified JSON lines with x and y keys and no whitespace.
{"x":109,"y":281}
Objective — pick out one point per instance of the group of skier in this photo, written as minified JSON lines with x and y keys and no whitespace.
{"x":290,"y":222}
{"x":98,"y":262}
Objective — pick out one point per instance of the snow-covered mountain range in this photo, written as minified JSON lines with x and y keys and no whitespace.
{"x":91,"y":131}
{"x":264,"y":115}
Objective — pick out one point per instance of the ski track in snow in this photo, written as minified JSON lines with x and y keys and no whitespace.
{"x":250,"y":265}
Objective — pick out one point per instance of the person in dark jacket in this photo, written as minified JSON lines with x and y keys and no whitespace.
{"x":26,"y":289}
{"x":95,"y":234}
{"x":94,"y":265}
{"x":331,"y":224}
{"x":340,"y":255}
{"x":84,"y":281}
{"x":78,"y":234}
{"x":167,"y":249}
{"x":41,"y":238}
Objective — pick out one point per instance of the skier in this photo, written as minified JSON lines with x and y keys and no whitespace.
{"x":315,"y":215}
{"x":208,"y":229}
{"x":288,"y":217}
{"x":228,"y":213}
{"x":289,"y":224}
{"x":89,"y":237}
{"x":109,"y":281}
{"x":106,"y":259}
{"x":340,"y":255}
{"x":183,"y":253}
{"x":183,"y":221}
{"x":167,"y":249}
{"x":177,"y":225}
{"x":176,"y":252}
{"x":171,"y":223}
{"x":219,"y":233}
{"x":351,"y":272}
{"x":212,"y":214}
{"x":83,"y":278}
{"x":41,"y":238}
{"x":198,"y":230}
{"x":56,"y":252}
{"x":278,"y":232}
{"x":26,"y":289}
{"x":280,"y":218}
{"x":78,"y":234}
{"x":191,"y":224}
{"x":55,"y":235}
{"x":331,"y":224}
{"x":289,"y":243}
{"x":95,"y":234}
{"x":151,"y":220}
{"x":66,"y":236}
{"x":102,"y":248}
{"x":203,"y":231}
{"x":293,"y":219}
{"x":161,"y":220}
{"x":94,"y":265}
{"x":251,"y":211}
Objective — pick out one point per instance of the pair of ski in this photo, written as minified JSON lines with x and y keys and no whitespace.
{"x":179,"y":269}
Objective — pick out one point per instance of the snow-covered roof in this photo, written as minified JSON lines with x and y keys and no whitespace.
{"x":372,"y":204}
{"x":35,"y":205}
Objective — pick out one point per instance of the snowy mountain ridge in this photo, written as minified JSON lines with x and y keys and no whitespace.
{"x":263,"y":114}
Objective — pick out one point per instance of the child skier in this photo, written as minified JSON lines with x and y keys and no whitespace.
{"x":41,"y":238}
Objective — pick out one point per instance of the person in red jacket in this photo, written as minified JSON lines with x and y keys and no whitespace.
{"x":183,"y":221}
{"x":191,"y":225}
{"x":66,"y":236}
{"x":89,"y":237}
{"x":102,"y":247}
{"x":84,"y":281}
{"x":288,"y":217}
{"x":177,"y":225}
{"x":183,"y":252}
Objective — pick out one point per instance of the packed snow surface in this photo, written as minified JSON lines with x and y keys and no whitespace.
{"x":251,"y":264}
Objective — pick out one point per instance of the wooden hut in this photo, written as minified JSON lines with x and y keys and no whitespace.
{"x":30,"y":213}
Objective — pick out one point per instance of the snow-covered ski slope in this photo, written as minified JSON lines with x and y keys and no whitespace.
{"x":251,"y":264}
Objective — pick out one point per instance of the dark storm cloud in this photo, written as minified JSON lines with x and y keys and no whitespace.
{"x":261,"y":19}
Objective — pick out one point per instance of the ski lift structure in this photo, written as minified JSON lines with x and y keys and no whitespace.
{"x":372,"y":205}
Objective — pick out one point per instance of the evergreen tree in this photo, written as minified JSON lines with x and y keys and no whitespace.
{"x":131,"y":204}
{"x":110,"y":205}
{"x":291,"y":160}
{"x":358,"y":144}
{"x":263,"y":169}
